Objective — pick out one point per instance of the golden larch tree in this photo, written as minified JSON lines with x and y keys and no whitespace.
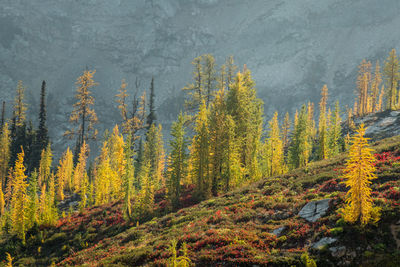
{"x":391,"y":73}
{"x":83,"y":116}
{"x":19,"y":105}
{"x":64,"y":174}
{"x":358,"y":173}
{"x":19,"y":198}
{"x":274,"y":156}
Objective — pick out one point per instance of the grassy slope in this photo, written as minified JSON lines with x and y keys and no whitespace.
{"x":233,"y":229}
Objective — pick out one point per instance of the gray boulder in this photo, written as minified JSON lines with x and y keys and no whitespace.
{"x":314,"y":210}
{"x":323,"y":242}
{"x":278,"y":231}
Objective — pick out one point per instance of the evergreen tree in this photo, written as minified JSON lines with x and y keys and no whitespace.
{"x":154,"y":154}
{"x":128,"y":177}
{"x":274,"y":157}
{"x":19,"y":197}
{"x":334,"y":134}
{"x":300,"y":147}
{"x":144,"y":202}
{"x":177,"y":161}
{"x":4,"y":154}
{"x":3,"y":115}
{"x":18,"y":127}
{"x":359,"y":172}
{"x":139,"y":162}
{"x":41,"y":138}
{"x":151,"y":118}
{"x":286,"y":130}
{"x":33,"y":202}
{"x":391,"y":73}
{"x":83,"y":115}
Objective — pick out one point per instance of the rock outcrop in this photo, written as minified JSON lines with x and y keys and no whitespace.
{"x":314,"y":210}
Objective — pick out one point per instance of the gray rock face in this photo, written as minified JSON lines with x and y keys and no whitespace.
{"x":381,"y":125}
{"x":323,"y":242}
{"x":293,"y":48}
{"x":314,"y":210}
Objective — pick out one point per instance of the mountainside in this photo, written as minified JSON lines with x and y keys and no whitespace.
{"x":271,"y":222}
{"x":293,"y":48}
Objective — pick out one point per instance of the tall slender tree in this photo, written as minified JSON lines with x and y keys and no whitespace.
{"x":322,"y":127}
{"x":151,"y":117}
{"x":335,"y":133}
{"x":195,"y":90}
{"x":391,"y":73}
{"x":41,"y":138}
{"x":19,"y":198}
{"x":4,"y":154}
{"x":200,"y":154}
{"x":3,"y":114}
{"x":286,"y":130}
{"x":246,"y":110}
{"x":128,"y":177}
{"x":375,"y":87}
{"x":154,"y":154}
{"x":83,"y":117}
{"x":274,"y":156}
{"x":300,"y":147}
{"x":177,"y":161}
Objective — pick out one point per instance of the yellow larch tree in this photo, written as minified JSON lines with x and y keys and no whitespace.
{"x":80,"y":169}
{"x":64,"y":174}
{"x":358,"y":173}
{"x":117,"y":162}
{"x":375,"y":85}
{"x":363,"y":85}
{"x":2,"y":203}
{"x":45,"y":165}
{"x":273,"y":155}
{"x":104,"y":177}
{"x":322,"y":125}
{"x":19,"y":105}
{"x":19,"y":198}
{"x":391,"y":73}
{"x":83,"y":117}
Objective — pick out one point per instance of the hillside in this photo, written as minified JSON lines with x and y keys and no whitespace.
{"x":253,"y":226}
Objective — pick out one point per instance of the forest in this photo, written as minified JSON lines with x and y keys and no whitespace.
{"x":220,"y":143}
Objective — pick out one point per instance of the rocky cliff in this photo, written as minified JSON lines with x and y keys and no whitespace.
{"x":292,"y":47}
